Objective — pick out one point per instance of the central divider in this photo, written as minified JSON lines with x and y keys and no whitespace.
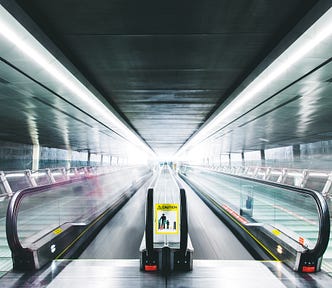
{"x":166,"y":244}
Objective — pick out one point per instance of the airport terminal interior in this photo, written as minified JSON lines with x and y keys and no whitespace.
{"x":169,"y":143}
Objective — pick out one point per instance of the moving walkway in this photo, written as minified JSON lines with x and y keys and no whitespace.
{"x":122,"y":272}
{"x":49,"y":221}
{"x":287,"y":223}
{"x":166,"y":244}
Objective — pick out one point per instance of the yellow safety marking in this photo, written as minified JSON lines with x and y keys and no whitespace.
{"x":58,"y":231}
{"x":82,"y":233}
{"x":276,"y":232}
{"x":167,"y":207}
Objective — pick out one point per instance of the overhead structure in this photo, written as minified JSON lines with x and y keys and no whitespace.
{"x":173,"y":74}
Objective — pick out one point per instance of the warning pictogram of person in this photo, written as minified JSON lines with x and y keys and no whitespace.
{"x":166,"y":218}
{"x":162,"y":222}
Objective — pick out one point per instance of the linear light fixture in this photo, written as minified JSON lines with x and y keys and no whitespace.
{"x":17,"y":35}
{"x":307,"y":42}
{"x":14,"y":175}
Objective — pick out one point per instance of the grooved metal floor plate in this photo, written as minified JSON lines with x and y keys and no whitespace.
{"x":206,"y":273}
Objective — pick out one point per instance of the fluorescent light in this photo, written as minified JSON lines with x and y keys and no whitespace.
{"x":274,"y":172}
{"x":294,"y":174}
{"x":17,"y":35}
{"x":13,"y":175}
{"x":57,"y":173}
{"x":307,"y":42}
{"x":264,"y":140}
{"x":38,"y":174}
{"x":319,"y":174}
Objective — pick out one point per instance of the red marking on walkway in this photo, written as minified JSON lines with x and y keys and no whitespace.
{"x":150,"y":267}
{"x":308,"y":269}
{"x":234,"y":214}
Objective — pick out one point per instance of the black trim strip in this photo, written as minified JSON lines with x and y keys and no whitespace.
{"x":149,"y":224}
{"x":184,"y":222}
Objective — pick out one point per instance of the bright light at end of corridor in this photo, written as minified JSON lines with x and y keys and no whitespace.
{"x":135,"y":156}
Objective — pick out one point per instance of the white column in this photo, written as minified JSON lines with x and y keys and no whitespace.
{"x":69,"y":157}
{"x":35,"y":157}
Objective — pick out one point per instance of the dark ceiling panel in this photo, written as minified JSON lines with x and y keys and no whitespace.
{"x":157,"y":17}
{"x":151,"y":59}
{"x":167,"y":51}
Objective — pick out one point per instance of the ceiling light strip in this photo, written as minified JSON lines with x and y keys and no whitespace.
{"x":307,"y":42}
{"x":16,"y":34}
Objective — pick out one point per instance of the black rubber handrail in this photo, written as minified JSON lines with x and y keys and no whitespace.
{"x":322,"y":208}
{"x":184,"y":222}
{"x":149,"y":224}
{"x":15,"y":202}
{"x":13,"y":210}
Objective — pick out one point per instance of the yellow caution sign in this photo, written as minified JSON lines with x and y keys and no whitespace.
{"x":57,"y":231}
{"x":276,"y":232}
{"x":166,"y":218}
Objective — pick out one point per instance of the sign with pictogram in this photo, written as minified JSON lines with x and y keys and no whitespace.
{"x":166,"y":218}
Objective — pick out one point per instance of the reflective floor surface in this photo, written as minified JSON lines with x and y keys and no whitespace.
{"x":126,"y":273}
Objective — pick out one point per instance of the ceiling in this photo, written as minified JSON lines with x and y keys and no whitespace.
{"x":165,"y":68}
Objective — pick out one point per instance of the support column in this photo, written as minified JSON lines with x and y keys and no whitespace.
{"x":68,"y":160}
{"x":35,"y":157}
{"x":262,"y":157}
{"x":296,"y":152}
{"x":89,"y":157}
{"x":229,"y":160}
